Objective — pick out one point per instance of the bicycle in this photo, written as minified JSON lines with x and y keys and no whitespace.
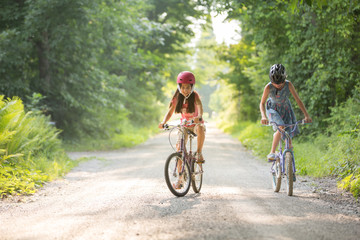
{"x":181,"y":167}
{"x":284,"y":164}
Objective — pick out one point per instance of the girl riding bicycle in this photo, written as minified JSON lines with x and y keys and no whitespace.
{"x":278,"y":106}
{"x":187,"y":102}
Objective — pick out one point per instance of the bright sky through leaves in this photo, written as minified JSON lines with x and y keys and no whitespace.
{"x":226,"y":31}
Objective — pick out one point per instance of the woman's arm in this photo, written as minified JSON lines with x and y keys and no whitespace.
{"x":262,"y":104}
{"x":299,"y":102}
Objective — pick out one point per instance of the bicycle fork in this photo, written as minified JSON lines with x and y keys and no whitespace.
{"x":287,"y":149}
{"x":177,"y":168}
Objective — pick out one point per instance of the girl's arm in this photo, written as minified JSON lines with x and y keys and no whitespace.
{"x":262,"y":104}
{"x":200,"y":109}
{"x":168,"y":115}
{"x":299,"y":102}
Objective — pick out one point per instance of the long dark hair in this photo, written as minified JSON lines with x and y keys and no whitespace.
{"x":180,"y":100}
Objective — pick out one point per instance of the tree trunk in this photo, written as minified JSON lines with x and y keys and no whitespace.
{"x":44,"y":65}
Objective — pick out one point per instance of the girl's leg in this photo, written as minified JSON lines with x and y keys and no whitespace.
{"x":200,"y":131}
{"x":178,"y":143}
{"x":290,"y":144}
{"x":276,"y":140}
{"x":180,"y":180}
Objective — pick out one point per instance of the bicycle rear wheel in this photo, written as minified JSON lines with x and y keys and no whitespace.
{"x":178,"y":183}
{"x":196,"y":176}
{"x":289,"y":173}
{"x":276,"y":175}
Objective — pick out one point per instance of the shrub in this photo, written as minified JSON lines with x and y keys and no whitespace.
{"x":30,"y":150}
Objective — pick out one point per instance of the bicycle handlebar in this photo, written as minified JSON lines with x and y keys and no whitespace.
{"x":294,"y":125}
{"x":184,"y":123}
{"x":301,"y":122}
{"x":181,"y":127}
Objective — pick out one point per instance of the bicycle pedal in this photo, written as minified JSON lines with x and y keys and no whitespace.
{"x":200,"y":162}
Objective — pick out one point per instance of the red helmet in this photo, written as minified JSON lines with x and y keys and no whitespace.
{"x":186,"y":78}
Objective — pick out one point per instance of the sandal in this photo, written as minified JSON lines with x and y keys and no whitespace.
{"x":271,"y":157}
{"x":199,"y":157}
{"x":178,"y":185}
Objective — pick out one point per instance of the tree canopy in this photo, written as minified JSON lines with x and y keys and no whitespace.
{"x":101,"y":65}
{"x":96,"y":63}
{"x":318,"y":42}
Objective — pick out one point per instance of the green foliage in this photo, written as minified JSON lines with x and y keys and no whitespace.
{"x":206,"y":66}
{"x":238,"y":56}
{"x":351,"y":183}
{"x":96,"y":63}
{"x":19,"y":180}
{"x":223,"y":96}
{"x":323,"y":54}
{"x":254,"y":137}
{"x":355,"y":186}
{"x":318,"y":42}
{"x":318,"y":46}
{"x":344,"y":149}
{"x":332,"y":153}
{"x":129,"y":137}
{"x":35,"y":104}
{"x":30,"y":151}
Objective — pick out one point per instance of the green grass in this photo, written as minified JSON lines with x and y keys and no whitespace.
{"x":131,"y":137}
{"x":252,"y":136}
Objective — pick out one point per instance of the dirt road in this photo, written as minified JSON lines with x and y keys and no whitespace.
{"x":122,"y":195}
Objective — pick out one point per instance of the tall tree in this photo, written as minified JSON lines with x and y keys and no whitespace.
{"x":99,"y":64}
{"x":318,"y":44}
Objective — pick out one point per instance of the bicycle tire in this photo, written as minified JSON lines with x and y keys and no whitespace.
{"x":289,"y":173}
{"x":196,"y":176}
{"x":171,"y":175}
{"x":276,"y":176}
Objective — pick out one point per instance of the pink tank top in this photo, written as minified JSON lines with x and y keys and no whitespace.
{"x":184,"y":113}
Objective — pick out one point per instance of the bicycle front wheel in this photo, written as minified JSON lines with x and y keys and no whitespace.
{"x":276,"y":175}
{"x":289,"y":173}
{"x":196,"y":176}
{"x":177,"y":181}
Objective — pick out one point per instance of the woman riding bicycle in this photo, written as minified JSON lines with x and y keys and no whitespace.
{"x":278,"y":106}
{"x":187,"y":102}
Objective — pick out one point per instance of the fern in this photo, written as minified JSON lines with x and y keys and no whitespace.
{"x":30,"y":150}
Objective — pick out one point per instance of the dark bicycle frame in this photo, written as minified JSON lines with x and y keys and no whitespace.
{"x":186,"y":156}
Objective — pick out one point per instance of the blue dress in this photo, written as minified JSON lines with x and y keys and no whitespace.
{"x":278,"y":107}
